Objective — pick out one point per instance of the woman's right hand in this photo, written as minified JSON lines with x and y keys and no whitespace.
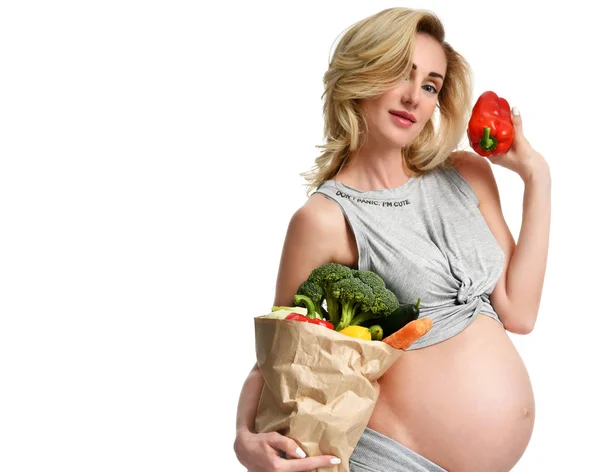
{"x":261,"y":452}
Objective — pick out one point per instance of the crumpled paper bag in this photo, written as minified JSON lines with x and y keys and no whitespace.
{"x":320,"y":385}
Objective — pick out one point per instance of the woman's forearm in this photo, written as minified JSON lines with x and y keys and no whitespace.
{"x":527,"y":267}
{"x":248,"y":402}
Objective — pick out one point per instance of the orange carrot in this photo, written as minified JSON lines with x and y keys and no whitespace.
{"x":408,"y":334}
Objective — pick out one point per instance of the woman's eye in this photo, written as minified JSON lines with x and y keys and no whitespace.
{"x":430,"y":88}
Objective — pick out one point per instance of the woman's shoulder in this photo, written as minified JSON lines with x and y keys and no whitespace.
{"x":319,"y":226}
{"x":476,"y":170}
{"x":319,"y":215}
{"x":468,"y":163}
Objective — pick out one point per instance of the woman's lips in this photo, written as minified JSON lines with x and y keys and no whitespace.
{"x":403,"y":122}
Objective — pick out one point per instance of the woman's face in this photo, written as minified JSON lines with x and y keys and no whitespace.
{"x":396,"y":117}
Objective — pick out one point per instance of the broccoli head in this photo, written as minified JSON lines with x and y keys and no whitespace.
{"x":325,"y":276}
{"x":352,"y":296}
{"x":384,"y":303}
{"x":370,"y":278}
{"x":311,"y":296}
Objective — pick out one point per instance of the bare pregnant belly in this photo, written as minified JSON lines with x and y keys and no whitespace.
{"x":465,"y":404}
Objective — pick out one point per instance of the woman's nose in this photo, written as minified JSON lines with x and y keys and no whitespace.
{"x":410,"y":94}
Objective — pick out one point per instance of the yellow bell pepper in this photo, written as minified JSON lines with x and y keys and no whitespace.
{"x":357,"y":332}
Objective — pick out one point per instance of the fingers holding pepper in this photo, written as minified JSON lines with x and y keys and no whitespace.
{"x":496,"y":132}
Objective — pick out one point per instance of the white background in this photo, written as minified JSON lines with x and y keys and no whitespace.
{"x":150,"y":155}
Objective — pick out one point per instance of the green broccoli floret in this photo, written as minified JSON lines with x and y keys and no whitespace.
{"x":384,"y":303}
{"x":353,"y":296}
{"x":370,"y":278}
{"x":310,"y":295}
{"x":325,"y":276}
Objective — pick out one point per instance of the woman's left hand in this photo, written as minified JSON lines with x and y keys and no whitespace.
{"x":521,"y":157}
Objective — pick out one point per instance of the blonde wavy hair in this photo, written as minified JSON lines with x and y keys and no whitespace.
{"x":372,"y":57}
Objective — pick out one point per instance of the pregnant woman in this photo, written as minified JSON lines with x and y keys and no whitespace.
{"x":393,"y":195}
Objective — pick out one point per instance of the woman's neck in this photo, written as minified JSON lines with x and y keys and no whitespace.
{"x":374,"y":168}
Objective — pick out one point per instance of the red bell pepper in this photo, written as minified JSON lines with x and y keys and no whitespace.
{"x":297,"y":317}
{"x":490,"y":129}
{"x":306,"y":319}
{"x":321,"y":322}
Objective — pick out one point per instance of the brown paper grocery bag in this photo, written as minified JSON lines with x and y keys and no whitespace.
{"x":320,"y":385}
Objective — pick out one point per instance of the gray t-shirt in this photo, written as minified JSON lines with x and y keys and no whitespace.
{"x":427,"y":239}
